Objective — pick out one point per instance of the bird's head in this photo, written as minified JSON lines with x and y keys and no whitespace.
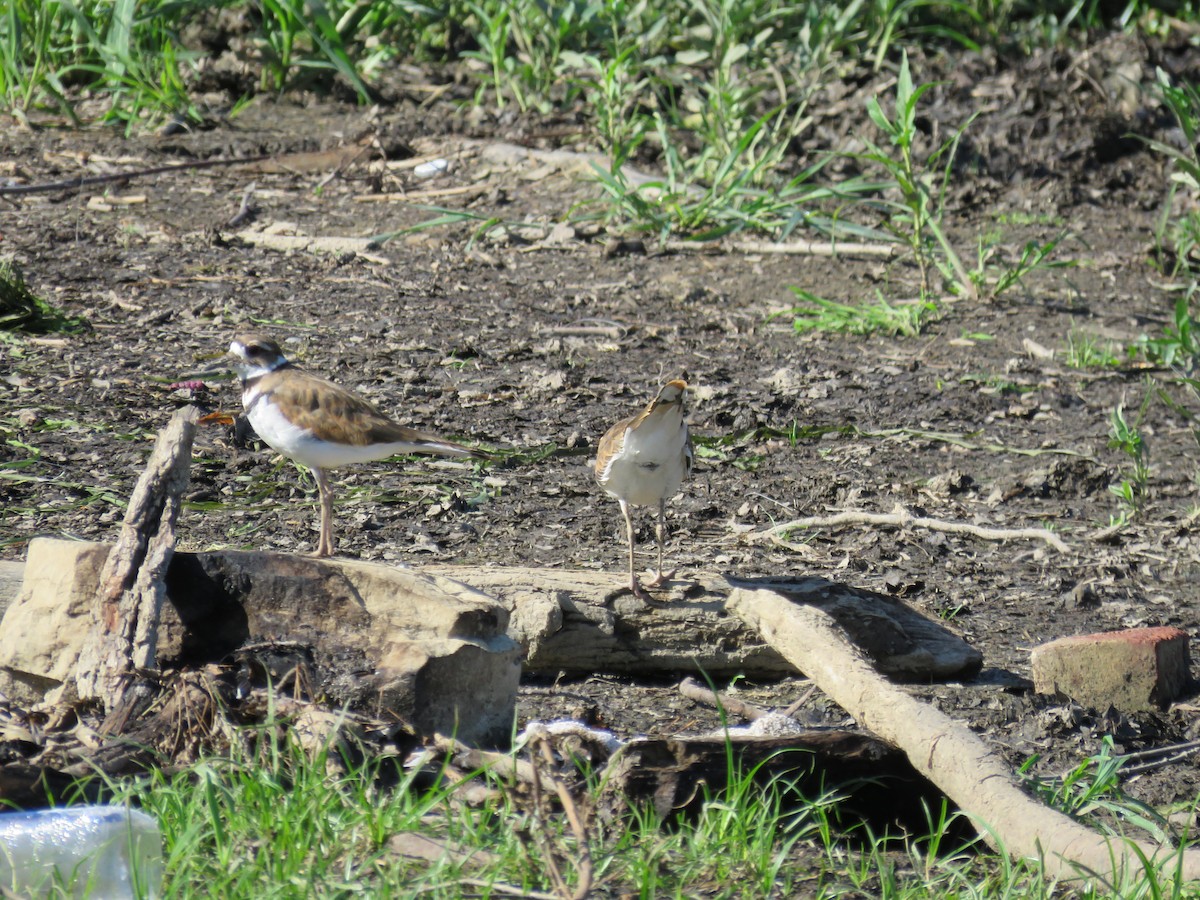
{"x":671,"y":392}
{"x":254,"y":355}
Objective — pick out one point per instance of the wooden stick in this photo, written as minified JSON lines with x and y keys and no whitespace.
{"x":472,"y":758}
{"x":956,"y":760}
{"x":902,"y":518}
{"x":798,"y":248}
{"x":76,"y":184}
{"x":131,"y":590}
{"x":694,"y":690}
{"x":304,"y":161}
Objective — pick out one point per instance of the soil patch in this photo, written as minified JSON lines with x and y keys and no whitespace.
{"x":494,"y":338}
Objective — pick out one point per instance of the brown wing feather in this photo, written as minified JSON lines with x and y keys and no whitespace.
{"x":333,"y":413}
{"x":612,"y":442}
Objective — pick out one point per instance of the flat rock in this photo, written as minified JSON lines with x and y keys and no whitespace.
{"x":388,"y":641}
{"x":1134,"y":669}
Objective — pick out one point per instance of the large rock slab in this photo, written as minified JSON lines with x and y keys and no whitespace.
{"x":46,"y":624}
{"x":11,"y":573}
{"x":389,"y":641}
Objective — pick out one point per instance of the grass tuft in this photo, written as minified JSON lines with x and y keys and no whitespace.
{"x":23,"y":310}
{"x":905,"y":319}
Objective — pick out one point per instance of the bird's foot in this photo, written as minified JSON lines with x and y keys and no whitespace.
{"x":639,"y":591}
{"x":661,"y":579}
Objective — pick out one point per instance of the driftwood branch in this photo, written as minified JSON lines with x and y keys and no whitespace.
{"x":131,"y":591}
{"x":902,"y":518}
{"x":951,"y":756}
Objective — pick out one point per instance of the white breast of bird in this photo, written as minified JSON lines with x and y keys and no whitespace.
{"x":652,"y":464}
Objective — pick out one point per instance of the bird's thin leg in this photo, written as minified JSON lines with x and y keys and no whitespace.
{"x":325,"y":545}
{"x":661,"y":577}
{"x":634,"y":584}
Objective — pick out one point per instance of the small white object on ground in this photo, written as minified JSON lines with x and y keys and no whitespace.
{"x":570,"y":727}
{"x":431,"y":168}
{"x":80,"y":851}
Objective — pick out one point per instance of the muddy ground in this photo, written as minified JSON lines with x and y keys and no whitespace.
{"x":532,"y":345}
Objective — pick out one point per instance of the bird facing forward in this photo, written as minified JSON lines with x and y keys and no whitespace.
{"x":320,"y":424}
{"x":643,"y":460}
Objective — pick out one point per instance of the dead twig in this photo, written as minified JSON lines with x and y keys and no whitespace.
{"x":902,"y":518}
{"x":583,"y":867}
{"x":588,"y":328}
{"x":76,"y":184}
{"x":1158,"y":757}
{"x":245,"y":211}
{"x":798,"y":704}
{"x":798,"y":248}
{"x":338,"y":159}
{"x":694,"y":690}
{"x":471,"y":758}
{"x":410,"y":196}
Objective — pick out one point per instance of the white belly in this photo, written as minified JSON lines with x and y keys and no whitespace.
{"x":300,"y":444}
{"x":651,"y":467}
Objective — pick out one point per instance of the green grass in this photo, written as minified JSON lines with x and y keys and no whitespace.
{"x":1126,"y":436}
{"x":1179,"y":231}
{"x":269,"y":817}
{"x":1092,"y":792}
{"x":23,"y":310}
{"x":712,"y":95}
{"x":906,"y":319}
{"x":1087,"y":351}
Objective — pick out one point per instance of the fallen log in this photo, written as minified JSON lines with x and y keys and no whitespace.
{"x":582,"y":622}
{"x":952,"y":757}
{"x":875,"y":782}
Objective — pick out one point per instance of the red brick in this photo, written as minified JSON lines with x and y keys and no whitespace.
{"x":1135,"y":669}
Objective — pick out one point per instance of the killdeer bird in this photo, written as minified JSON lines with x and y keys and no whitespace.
{"x":642,"y":460}
{"x":317,"y":423}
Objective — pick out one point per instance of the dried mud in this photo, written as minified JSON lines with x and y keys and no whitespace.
{"x":488,"y":340}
